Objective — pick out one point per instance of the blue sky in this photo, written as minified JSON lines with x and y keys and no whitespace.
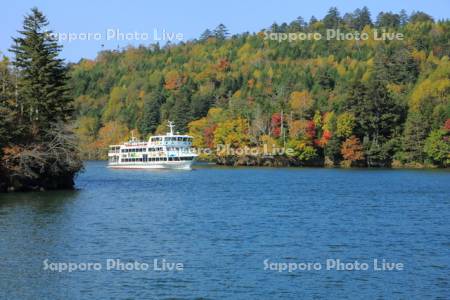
{"x":190,"y":18}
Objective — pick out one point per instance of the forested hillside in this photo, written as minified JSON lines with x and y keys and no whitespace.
{"x":366,"y":102}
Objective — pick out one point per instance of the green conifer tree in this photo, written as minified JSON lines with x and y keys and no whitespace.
{"x":42,"y":76}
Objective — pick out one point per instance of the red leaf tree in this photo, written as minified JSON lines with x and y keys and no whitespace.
{"x":352,"y":149}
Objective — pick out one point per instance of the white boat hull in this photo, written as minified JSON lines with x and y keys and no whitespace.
{"x":173,"y":165}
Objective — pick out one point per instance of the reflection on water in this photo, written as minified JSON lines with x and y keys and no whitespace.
{"x":222,"y":223}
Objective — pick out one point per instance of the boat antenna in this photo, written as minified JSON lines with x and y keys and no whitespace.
{"x":170,"y":124}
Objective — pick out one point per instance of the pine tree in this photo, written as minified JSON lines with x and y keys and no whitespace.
{"x":420,"y":16}
{"x":181,"y":113}
{"x":333,"y":149}
{"x":206,"y":35}
{"x":44,"y":154}
{"x":403,"y":17}
{"x":333,"y":18}
{"x":221,"y":32}
{"x":151,"y":116}
{"x":388,"y":20}
{"x":42,"y":76}
{"x":5,"y":113}
{"x":377,"y":113}
{"x":362,"y":18}
{"x":312,"y":21}
{"x":9,"y":129}
{"x":414,"y":138}
{"x":396,"y":64}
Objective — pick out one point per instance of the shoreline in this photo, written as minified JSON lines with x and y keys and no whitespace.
{"x":240,"y":163}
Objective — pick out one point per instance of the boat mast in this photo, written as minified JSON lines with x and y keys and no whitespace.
{"x":170,"y":124}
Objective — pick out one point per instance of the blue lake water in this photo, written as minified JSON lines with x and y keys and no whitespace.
{"x":222,"y":224}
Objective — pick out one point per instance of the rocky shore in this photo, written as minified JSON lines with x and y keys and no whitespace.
{"x":22,"y":184}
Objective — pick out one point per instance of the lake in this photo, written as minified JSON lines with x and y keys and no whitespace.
{"x":232,"y":232}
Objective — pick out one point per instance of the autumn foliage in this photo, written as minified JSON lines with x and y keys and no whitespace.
{"x":352,"y":149}
{"x":276,"y":124}
{"x":391,"y":95}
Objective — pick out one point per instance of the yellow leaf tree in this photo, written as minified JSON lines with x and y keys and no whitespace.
{"x":301,"y":102}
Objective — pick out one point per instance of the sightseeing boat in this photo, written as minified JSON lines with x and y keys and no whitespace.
{"x":170,"y":151}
